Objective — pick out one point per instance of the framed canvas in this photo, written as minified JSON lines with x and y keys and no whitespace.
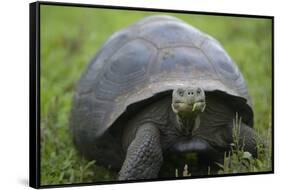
{"x":120,"y":94}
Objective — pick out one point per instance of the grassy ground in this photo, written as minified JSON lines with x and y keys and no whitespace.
{"x":70,"y":37}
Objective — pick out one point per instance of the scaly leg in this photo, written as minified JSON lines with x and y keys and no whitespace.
{"x":144,"y":155}
{"x":248,"y":139}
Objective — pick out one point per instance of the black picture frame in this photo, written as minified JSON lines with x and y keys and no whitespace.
{"x":34,"y":93}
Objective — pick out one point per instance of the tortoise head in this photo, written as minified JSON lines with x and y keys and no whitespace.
{"x":187,"y":104}
{"x":188,"y":101}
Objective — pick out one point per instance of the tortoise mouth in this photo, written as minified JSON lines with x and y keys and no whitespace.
{"x":190,"y":104}
{"x":182,"y":103}
{"x":182,"y":106}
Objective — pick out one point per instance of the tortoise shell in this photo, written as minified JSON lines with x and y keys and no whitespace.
{"x":154,"y":55}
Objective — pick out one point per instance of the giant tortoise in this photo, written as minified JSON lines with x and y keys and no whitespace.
{"x":156,"y":90}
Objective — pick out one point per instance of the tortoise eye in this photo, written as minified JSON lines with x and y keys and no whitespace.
{"x":180,"y":92}
{"x":198,"y":91}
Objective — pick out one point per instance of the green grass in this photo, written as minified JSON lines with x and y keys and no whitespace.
{"x":70,"y":37}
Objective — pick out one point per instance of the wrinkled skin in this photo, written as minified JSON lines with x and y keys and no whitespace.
{"x":187,"y":122}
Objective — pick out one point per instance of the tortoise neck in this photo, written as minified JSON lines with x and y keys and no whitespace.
{"x":187,"y":124}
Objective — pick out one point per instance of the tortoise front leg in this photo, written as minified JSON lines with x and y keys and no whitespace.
{"x":247,"y":139}
{"x":144,"y":155}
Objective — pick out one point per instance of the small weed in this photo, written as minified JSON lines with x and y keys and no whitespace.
{"x":240,"y":161}
{"x":185,"y":172}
